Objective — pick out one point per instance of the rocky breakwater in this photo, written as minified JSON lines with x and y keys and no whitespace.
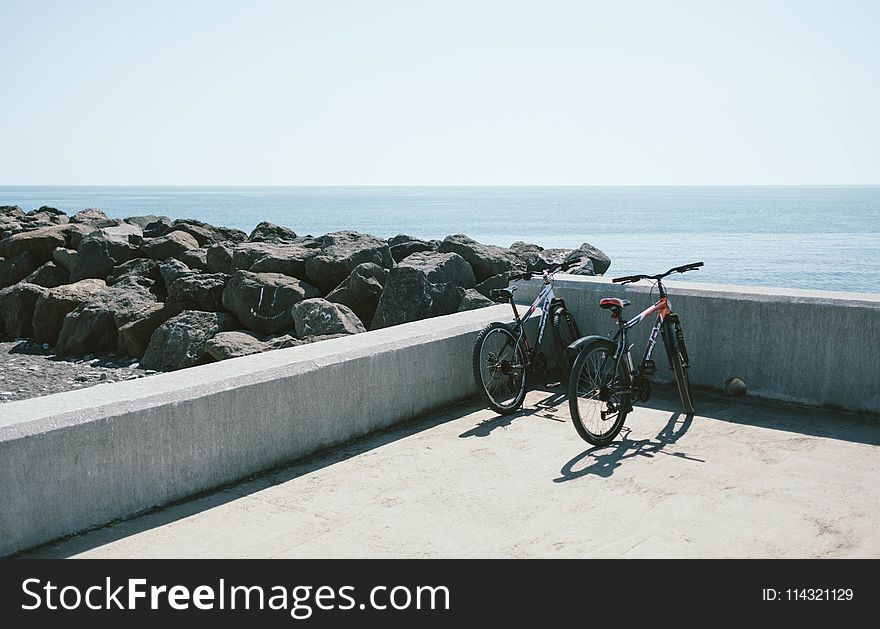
{"x":177,"y":293}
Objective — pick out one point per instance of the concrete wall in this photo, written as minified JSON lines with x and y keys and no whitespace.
{"x":813,"y":347}
{"x":80,"y":459}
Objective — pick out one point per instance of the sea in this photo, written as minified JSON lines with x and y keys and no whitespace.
{"x":808,"y":237}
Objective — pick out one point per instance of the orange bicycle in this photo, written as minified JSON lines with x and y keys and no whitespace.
{"x":603,"y":382}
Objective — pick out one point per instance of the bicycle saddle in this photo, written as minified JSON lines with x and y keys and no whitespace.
{"x":612,"y":303}
{"x":502,"y":295}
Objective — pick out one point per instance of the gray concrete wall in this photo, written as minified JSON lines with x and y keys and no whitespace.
{"x":80,"y":459}
{"x":812,"y":347}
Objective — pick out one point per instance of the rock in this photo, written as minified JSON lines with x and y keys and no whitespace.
{"x":203,"y":290}
{"x":267,"y":232}
{"x":90,"y":215}
{"x":56,"y":303}
{"x":171,"y":245}
{"x":361,"y":290}
{"x":486,"y":260}
{"x":75,"y":232}
{"x":93,"y":326}
{"x":314,"y":317}
{"x":65,"y":258}
{"x":520,"y":248}
{"x":263,"y":302}
{"x":473,"y":300}
{"x":219,"y":259}
{"x":15,"y":269}
{"x":542,"y":259}
{"x":150,"y":223}
{"x":584,"y":267}
{"x":48,"y":276}
{"x":340,"y":253}
{"x":600,"y":260}
{"x":44,"y":217}
{"x":158,"y":226}
{"x":239,"y":343}
{"x":140,"y":267}
{"x":409,"y":296}
{"x":11,"y":217}
{"x":195,"y":259}
{"x":133,"y":338}
{"x":496,"y":281}
{"x":17,"y":305}
{"x":208,"y":234}
{"x":172,"y":269}
{"x":104,"y":249}
{"x":288,"y":258}
{"x":442,"y":268}
{"x":39,"y":242}
{"x":180,"y":341}
{"x":402,"y":251}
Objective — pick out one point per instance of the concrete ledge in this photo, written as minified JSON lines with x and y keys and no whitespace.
{"x":811,"y":347}
{"x":77,"y":460}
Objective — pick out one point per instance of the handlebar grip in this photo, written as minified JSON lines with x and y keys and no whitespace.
{"x":627,"y":278}
{"x":569,"y":264}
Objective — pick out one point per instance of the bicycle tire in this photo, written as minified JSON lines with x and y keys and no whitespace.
{"x":587,"y":407}
{"x":679,"y":367}
{"x":565,"y":332}
{"x":500,"y":370}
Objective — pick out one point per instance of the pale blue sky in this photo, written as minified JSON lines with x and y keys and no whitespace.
{"x":446,"y":92}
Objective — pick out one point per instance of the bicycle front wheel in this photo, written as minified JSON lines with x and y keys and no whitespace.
{"x":599,"y":397}
{"x":500,"y":369}
{"x":677,"y":353}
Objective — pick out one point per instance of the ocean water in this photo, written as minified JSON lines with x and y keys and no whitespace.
{"x":811,"y":237}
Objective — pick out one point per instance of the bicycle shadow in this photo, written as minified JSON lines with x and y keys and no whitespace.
{"x":605,"y":459}
{"x":546,"y":408}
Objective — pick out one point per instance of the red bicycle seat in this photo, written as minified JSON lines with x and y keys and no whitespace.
{"x":613,"y":302}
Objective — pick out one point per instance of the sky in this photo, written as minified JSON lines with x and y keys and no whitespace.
{"x":481,"y":92}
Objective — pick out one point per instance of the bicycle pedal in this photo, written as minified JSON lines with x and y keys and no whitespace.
{"x":648,"y":368}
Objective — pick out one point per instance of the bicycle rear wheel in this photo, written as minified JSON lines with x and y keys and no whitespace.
{"x":500,"y":369}
{"x":599,"y":398}
{"x":678,"y":357}
{"x":565,"y":332}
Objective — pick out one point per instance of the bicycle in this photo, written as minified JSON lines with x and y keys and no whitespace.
{"x":503,"y":359}
{"x":603,"y":381}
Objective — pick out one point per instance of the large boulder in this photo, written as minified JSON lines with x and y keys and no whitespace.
{"x":486,"y":260}
{"x":65,"y":258}
{"x":403,"y":246}
{"x":361,"y":290}
{"x":600,"y":259}
{"x":133,"y":338}
{"x":56,"y":303}
{"x":203,"y":290}
{"x":239,"y":343}
{"x":49,"y":276}
{"x":218,"y":258}
{"x":196,"y":259}
{"x":89,"y":215}
{"x":540,"y":260}
{"x":584,"y":267}
{"x":473,"y":300}
{"x":171,"y":245}
{"x":39,"y":242}
{"x":288,"y":258}
{"x":11,"y":217}
{"x":318,"y":317}
{"x":449,"y":268}
{"x":207,"y":234}
{"x":15,"y":269}
{"x":409,"y":296}
{"x":93,"y":326}
{"x":153,"y":226}
{"x":17,"y":305}
{"x":172,"y":269}
{"x":104,"y":249}
{"x":340,"y":253}
{"x":43,"y":217}
{"x":263,"y":302}
{"x":139,"y":267}
{"x":267,"y":232}
{"x":180,"y":341}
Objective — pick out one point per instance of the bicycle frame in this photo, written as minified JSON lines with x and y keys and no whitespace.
{"x":542,"y":301}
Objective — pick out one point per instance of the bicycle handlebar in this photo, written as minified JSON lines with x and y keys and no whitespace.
{"x":527,"y":275}
{"x":678,"y":269}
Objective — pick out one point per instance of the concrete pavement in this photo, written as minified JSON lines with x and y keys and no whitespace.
{"x":742,"y":479}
